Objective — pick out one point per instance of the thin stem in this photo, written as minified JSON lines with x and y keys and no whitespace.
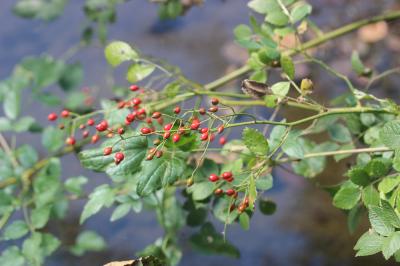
{"x":333,"y":153}
{"x":4,"y":145}
{"x":380,"y":76}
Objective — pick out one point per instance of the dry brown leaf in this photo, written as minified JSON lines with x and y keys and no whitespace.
{"x":373,"y":32}
{"x":120,"y":263}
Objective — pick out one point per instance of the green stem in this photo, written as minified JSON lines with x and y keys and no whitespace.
{"x":307,"y":45}
{"x":333,"y":153}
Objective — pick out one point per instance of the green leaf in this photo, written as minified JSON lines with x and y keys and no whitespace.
{"x":12,"y":257}
{"x":117,"y":52}
{"x":288,"y":67}
{"x":32,"y":250}
{"x":281,"y":88}
{"x":347,"y":196}
{"x":201,"y":190}
{"x":354,"y":217}
{"x":359,"y":176}
{"x":255,"y":141}
{"x":12,"y":103}
{"x":357,"y":64}
{"x":369,"y":243}
{"x":242,"y":32}
{"x":270,"y":100}
{"x":221,"y":210}
{"x":277,"y":18}
{"x":138,"y":72}
{"x":259,"y":76}
{"x":5,"y":124}
{"x":27,"y":155}
{"x":396,"y":160}
{"x":370,"y":196}
{"x":24,"y":124}
{"x":71,"y":77}
{"x":252,"y":192}
{"x":211,"y":242}
{"x":40,"y":216}
{"x":300,"y":12}
{"x":88,"y":241}
{"x":379,"y":220}
{"x":120,"y":211}
{"x":159,"y":173}
{"x":172,"y":89}
{"x":49,"y":244}
{"x":389,"y":183}
{"x":74,"y":184}
{"x":102,"y":196}
{"x":390,"y":214}
{"x":52,"y":138}
{"x":15,"y":230}
{"x":259,"y":6}
{"x":377,"y":168}
{"x":264,"y":182}
{"x":390,"y":134}
{"x":134,"y":150}
{"x":339,"y":133}
{"x":391,"y":245}
{"x":46,"y":184}
{"x":244,"y":221}
{"x":267,"y":207}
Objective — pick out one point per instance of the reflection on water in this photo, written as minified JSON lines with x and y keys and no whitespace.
{"x":306,"y":230}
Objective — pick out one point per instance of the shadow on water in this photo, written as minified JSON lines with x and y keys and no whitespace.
{"x":306,"y":230}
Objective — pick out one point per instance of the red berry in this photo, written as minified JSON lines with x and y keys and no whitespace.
{"x":202,"y":111}
{"x":204,"y":130}
{"x":227,"y":175}
{"x":212,"y":137}
{"x":145,"y":130}
{"x":232,"y":207}
{"x":230,"y":192}
{"x":134,"y":87}
{"x":85,"y":134}
{"x":230,"y":179}
{"x":160,"y":121}
{"x":52,"y":117}
{"x":121,"y":105}
{"x":168,"y":127}
{"x":118,"y":157}
{"x":222,"y":140}
{"x":213,"y":109}
{"x":141,"y":113}
{"x":70,"y":141}
{"x":204,"y":136}
{"x":156,"y":115}
{"x":148,"y":121}
{"x":167,"y":135}
{"x":136,"y":101}
{"x":181,"y":130}
{"x":65,"y":113}
{"x":220,"y":129}
{"x":121,"y":130}
{"x":95,"y":138}
{"x":90,"y":122}
{"x":82,"y":126}
{"x":177,"y":110}
{"x":195,"y":125}
{"x":213,"y":178}
{"x":102,"y":126}
{"x":241,"y":208}
{"x":176,"y":137}
{"x":159,"y":154}
{"x":130,"y":117}
{"x":218,"y":191}
{"x":107,"y":151}
{"x":150,"y":157}
{"x":214,"y":101}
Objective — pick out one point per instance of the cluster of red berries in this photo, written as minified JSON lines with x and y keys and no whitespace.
{"x":227,"y":176}
{"x":139,"y":113}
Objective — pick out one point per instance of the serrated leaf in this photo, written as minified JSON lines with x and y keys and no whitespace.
{"x":370,"y":196}
{"x":74,"y":184}
{"x":134,"y":150}
{"x":242,"y":32}
{"x":255,"y":141}
{"x":277,"y":18}
{"x":391,"y":245}
{"x":120,"y":211}
{"x":339,"y":133}
{"x":12,"y":257}
{"x":118,"y":52}
{"x":390,"y":134}
{"x":88,"y":241}
{"x":379,"y":222}
{"x":281,"y":88}
{"x":138,"y":72}
{"x":52,"y":138}
{"x":158,"y":173}
{"x":40,"y":216}
{"x":300,"y":12}
{"x":369,"y":243}
{"x":102,"y":196}
{"x":12,"y":103}
{"x":359,"y":176}
{"x":201,"y":190}
{"x":347,"y":196}
{"x":389,"y":183}
{"x":15,"y":230}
